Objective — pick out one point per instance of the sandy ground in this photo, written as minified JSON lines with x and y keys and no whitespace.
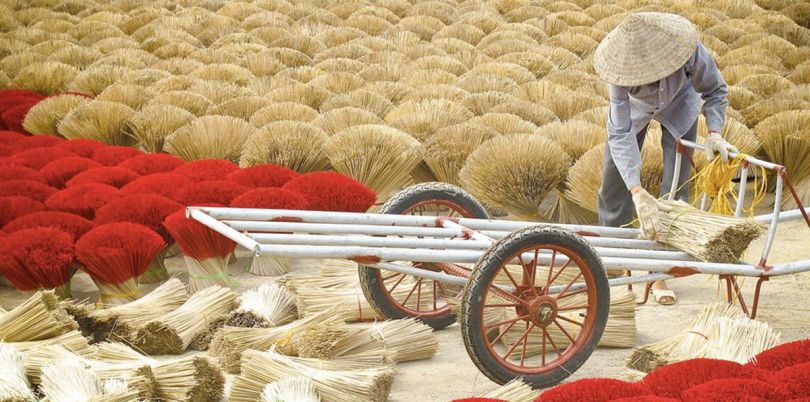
{"x":451,"y":374}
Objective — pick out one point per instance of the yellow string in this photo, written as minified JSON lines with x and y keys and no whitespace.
{"x":716,"y":180}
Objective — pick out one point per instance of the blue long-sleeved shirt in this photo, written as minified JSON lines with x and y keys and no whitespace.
{"x":674,"y":101}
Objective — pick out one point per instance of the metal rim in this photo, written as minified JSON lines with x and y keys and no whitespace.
{"x":535,"y":308}
{"x":437,"y":291}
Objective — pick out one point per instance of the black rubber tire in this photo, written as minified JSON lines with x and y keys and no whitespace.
{"x":373,"y":289}
{"x":482,"y":277}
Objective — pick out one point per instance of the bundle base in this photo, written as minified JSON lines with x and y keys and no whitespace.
{"x":208,"y":272}
{"x":157,"y":269}
{"x":158,"y":339}
{"x":262,"y":265}
{"x":116,"y":295}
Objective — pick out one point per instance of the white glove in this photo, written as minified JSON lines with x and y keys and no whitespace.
{"x":715,"y":143}
{"x":647,"y":209}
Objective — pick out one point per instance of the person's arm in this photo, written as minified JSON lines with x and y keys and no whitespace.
{"x":709,"y":83}
{"x":623,"y":146}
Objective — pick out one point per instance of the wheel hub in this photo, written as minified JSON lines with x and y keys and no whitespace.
{"x":542,"y":311}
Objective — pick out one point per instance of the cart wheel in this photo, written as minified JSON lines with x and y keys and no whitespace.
{"x":544,"y":289}
{"x":396,"y":295}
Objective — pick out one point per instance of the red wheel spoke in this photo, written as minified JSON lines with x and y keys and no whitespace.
{"x":571,"y":338}
{"x":404,"y":302}
{"x":569,"y":320}
{"x":510,"y":277}
{"x":434,"y":295}
{"x":522,"y":317}
{"x":572,"y":308}
{"x":418,"y":294}
{"x":543,"y":351}
{"x":385,"y":278}
{"x":551,"y":341}
{"x":525,"y":342}
{"x":442,"y":290}
{"x":396,"y":284}
{"x":501,"y":305}
{"x":503,"y":332}
{"x":559,"y":295}
{"x":534,"y":272}
{"x":521,"y":339}
{"x":557,"y":275}
{"x":574,"y":293}
{"x":550,"y":271}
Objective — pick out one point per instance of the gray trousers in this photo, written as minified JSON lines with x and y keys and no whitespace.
{"x":615,"y":202}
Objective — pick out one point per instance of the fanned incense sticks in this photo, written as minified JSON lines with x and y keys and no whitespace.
{"x":299,"y":389}
{"x":514,"y":391}
{"x":173,"y":332}
{"x":14,"y":385}
{"x":268,"y":305}
{"x":37,"y":318}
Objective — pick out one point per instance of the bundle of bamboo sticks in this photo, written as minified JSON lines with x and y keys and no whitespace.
{"x":268,"y":305}
{"x":720,"y":331}
{"x":38,"y":317}
{"x":339,"y":381}
{"x":706,"y":236}
{"x":514,"y":391}
{"x":173,"y":332}
{"x":299,"y":389}
{"x":14,"y":385}
{"x":229,"y":343}
{"x":394,"y":340}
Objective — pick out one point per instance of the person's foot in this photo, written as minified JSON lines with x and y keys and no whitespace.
{"x":662,"y":294}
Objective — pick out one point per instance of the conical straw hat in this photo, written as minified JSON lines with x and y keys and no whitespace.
{"x":645,"y":48}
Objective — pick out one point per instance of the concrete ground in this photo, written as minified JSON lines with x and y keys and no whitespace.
{"x":451,"y":374}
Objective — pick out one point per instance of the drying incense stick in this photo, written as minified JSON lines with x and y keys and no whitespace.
{"x":189,"y":378}
{"x":72,"y":340}
{"x":116,"y":390}
{"x":230,"y":342}
{"x":514,"y":391}
{"x":173,"y":332}
{"x":38,"y":317}
{"x":706,"y":236}
{"x":120,"y":322}
{"x":739,"y":339}
{"x":351,"y":301}
{"x":340,"y":381}
{"x":14,"y":385}
{"x":67,"y":381}
{"x":620,"y":330}
{"x":268,"y":305}
{"x":332,"y":274}
{"x":299,"y":389}
{"x":395,"y":340}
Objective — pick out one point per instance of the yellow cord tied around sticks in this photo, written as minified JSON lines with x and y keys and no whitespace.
{"x":717,"y":180}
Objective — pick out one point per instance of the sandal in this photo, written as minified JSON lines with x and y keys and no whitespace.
{"x":664,"y":297}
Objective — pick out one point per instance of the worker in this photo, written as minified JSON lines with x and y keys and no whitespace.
{"x":656,"y":70}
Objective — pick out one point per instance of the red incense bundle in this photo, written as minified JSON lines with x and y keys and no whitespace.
{"x":165,"y":184}
{"x":735,"y":389}
{"x":206,"y":169}
{"x":83,"y":200}
{"x":332,"y":191}
{"x":38,"y":258}
{"x":110,"y":175}
{"x":15,"y":206}
{"x":24,"y":93}
{"x":58,"y":172}
{"x":210,"y":192}
{"x":673,"y":379}
{"x":115,"y":255}
{"x":149,"y":210}
{"x":5,"y":151}
{"x":593,"y":390}
{"x":82,"y":146}
{"x":205,"y":251}
{"x":152,"y":163}
{"x":13,"y":117}
{"x":74,"y":225}
{"x":266,"y":175}
{"x":37,"y":158}
{"x":36,"y":141}
{"x":114,"y":155}
{"x":26,"y":188}
{"x":9,"y":137}
{"x":14,"y":172}
{"x":270,"y":198}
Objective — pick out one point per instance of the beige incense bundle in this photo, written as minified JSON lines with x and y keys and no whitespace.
{"x":620,"y":330}
{"x":706,"y":236}
{"x":230,"y":342}
{"x":394,"y":340}
{"x":14,"y":385}
{"x":332,"y":274}
{"x":122,"y":321}
{"x":298,"y":389}
{"x":173,"y":332}
{"x":268,"y":305}
{"x":72,"y":340}
{"x":514,"y":391}
{"x":69,"y":381}
{"x":350,"y":301}
{"x":188,"y":378}
{"x":38,"y":317}
{"x":720,"y":331}
{"x":338,"y":381}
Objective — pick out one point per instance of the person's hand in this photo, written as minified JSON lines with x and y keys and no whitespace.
{"x":715,"y":143}
{"x":647,"y":209}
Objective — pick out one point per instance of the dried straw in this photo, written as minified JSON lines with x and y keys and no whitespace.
{"x":173,"y":332}
{"x":720,"y":331}
{"x":336,"y":120}
{"x":230,"y":343}
{"x":123,"y":321}
{"x":514,"y":391}
{"x":340,"y":381}
{"x":72,"y":340}
{"x":45,"y":116}
{"x":574,"y":136}
{"x":98,"y":120}
{"x":293,"y":144}
{"x":134,"y":96}
{"x":47,"y":77}
{"x":68,"y":380}
{"x":268,"y":305}
{"x":14,"y":385}
{"x":195,"y":104}
{"x":706,"y":236}
{"x":515,"y":173}
{"x":785,"y":139}
{"x":378,"y":156}
{"x":154,"y":123}
{"x":38,"y":317}
{"x":283,"y":111}
{"x":446,"y":151}
{"x":299,"y":389}
{"x":209,"y":137}
{"x":390,"y":340}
